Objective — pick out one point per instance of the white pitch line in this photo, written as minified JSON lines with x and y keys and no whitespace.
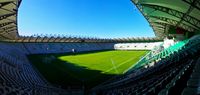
{"x":135,"y":63}
{"x":114,"y":66}
{"x":120,"y":64}
{"x":117,"y":65}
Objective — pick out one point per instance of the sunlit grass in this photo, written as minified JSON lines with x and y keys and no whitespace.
{"x":109,"y":62}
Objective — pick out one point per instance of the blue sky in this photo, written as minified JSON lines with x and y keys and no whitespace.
{"x":90,"y":18}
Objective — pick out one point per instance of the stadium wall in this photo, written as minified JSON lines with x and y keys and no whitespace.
{"x":43,"y":48}
{"x":136,"y":46}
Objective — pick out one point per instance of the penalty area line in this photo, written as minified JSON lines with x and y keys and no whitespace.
{"x":130,"y":59}
{"x":114,"y":65}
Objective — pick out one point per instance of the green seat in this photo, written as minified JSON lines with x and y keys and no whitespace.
{"x":195,"y":75}
{"x":148,"y":58}
{"x":171,"y":84}
{"x":163,"y":92}
{"x":193,"y":83}
{"x":191,"y":91}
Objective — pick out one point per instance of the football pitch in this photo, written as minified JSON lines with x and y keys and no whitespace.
{"x":88,"y":68}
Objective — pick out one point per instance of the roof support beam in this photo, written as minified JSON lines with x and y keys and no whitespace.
{"x":193,"y":21}
{"x":23,"y":38}
{"x":7,"y":31}
{"x":5,"y":3}
{"x":2,"y":36}
{"x":172,"y":22}
{"x":43,"y":39}
{"x":7,"y":23}
{"x":196,"y":5}
{"x":61,"y":39}
{"x":11,"y":11}
{"x":8,"y":34}
{"x":6,"y":28}
{"x":160,"y":25}
{"x":29,"y":39}
{"x":50,"y":38}
{"x":67,"y":40}
{"x":6,"y":15}
{"x":55,"y":39}
{"x":37,"y":38}
{"x":187,"y":13}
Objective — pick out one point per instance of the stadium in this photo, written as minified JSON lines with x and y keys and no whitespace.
{"x":167,"y":64}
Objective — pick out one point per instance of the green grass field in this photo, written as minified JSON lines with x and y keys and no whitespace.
{"x":89,"y":68}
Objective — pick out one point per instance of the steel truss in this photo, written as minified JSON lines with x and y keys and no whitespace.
{"x":185,"y":17}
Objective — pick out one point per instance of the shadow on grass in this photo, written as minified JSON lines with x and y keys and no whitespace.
{"x":61,"y":73}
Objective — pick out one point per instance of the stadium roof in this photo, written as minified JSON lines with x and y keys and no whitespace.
{"x":8,"y":18}
{"x":163,"y":14}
